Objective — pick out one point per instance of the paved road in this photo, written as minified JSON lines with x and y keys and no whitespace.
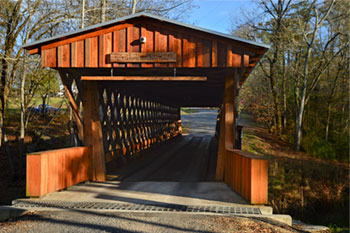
{"x":200,"y":123}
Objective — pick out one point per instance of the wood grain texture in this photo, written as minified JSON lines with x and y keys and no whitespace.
{"x":206,"y":53}
{"x":189,"y":52}
{"x":93,"y":130}
{"x":53,"y":170}
{"x":49,"y":58}
{"x":220,"y":164}
{"x":199,"y":53}
{"x":133,"y":43}
{"x":119,"y":44}
{"x":78,"y":54}
{"x":222,"y":55}
{"x":105,"y":44}
{"x":147,"y":47}
{"x":178,"y":49}
{"x":91,"y":52}
{"x":97,"y":32}
{"x":63,"y":56}
{"x":161,"y":44}
{"x":140,"y":57}
{"x":144,"y":78}
{"x":214,"y":54}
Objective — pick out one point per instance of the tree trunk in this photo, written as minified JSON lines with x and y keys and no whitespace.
{"x":284,"y":80}
{"x":300,"y":113}
{"x":278,"y":119}
{"x":103,"y":11}
{"x":22,"y":128}
{"x":133,"y":10}
{"x":82,"y":14}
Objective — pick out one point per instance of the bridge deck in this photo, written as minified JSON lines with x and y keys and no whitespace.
{"x":185,"y":159}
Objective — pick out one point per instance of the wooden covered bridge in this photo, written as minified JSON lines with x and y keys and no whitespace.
{"x":133,"y":75}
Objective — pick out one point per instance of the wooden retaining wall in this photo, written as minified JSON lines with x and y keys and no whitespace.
{"x":50,"y":171}
{"x":247,"y":174}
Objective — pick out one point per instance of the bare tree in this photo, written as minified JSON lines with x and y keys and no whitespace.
{"x":309,"y":36}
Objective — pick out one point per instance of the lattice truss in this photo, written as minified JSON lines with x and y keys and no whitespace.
{"x":73,"y":91}
{"x":131,"y":124}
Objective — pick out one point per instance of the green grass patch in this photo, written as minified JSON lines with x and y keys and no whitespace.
{"x":185,"y":111}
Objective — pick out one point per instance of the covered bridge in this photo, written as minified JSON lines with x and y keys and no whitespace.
{"x":134,"y":73}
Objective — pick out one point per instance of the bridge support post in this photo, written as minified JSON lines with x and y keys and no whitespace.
{"x":93,"y":130}
{"x":227,"y":122}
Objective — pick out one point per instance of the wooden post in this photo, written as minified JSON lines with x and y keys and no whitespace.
{"x":227,"y":125}
{"x":93,"y":130}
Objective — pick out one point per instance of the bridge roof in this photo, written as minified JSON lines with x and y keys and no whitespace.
{"x":140,"y":15}
{"x":113,"y":54}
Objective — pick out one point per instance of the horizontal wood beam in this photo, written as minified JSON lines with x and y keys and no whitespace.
{"x":136,"y":57}
{"x":33,"y":51}
{"x":144,"y":78}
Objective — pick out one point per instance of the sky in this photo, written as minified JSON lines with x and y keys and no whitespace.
{"x":218,"y":14}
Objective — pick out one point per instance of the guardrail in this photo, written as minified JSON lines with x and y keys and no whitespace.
{"x":247,"y":174}
{"x":53,"y":170}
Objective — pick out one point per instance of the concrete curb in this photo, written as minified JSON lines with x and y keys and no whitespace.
{"x":7,"y":212}
{"x":281,"y":218}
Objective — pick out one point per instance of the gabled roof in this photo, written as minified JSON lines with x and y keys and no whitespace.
{"x":140,"y":15}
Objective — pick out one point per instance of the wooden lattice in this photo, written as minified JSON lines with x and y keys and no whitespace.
{"x":131,"y":125}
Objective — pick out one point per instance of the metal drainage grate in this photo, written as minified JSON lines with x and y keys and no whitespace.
{"x":138,"y":207}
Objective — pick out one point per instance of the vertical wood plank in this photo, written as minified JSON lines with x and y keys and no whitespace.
{"x":50,"y":58}
{"x":199,"y":51}
{"x":221,"y":150}
{"x":105,"y":43}
{"x":119,"y":44}
{"x":171,"y":47}
{"x":133,"y":42}
{"x":93,"y":130}
{"x":147,"y":47}
{"x":206,"y":51}
{"x":44,"y":174}
{"x":214,"y":54}
{"x":259,"y":181}
{"x":246,"y":60}
{"x":33,"y":176}
{"x":229,"y":56}
{"x":51,"y":186}
{"x":222,"y":55}
{"x":77,"y":54}
{"x":227,"y":129}
{"x":161,"y":45}
{"x":63,"y":56}
{"x":91,"y":52}
{"x":236,"y":60}
{"x":189,"y":52}
{"x":178,"y":49}
{"x":73,"y":54}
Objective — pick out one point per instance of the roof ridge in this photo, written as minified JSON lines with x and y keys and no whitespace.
{"x":144,"y":14}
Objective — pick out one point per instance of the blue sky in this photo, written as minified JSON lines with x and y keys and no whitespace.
{"x":217,"y":14}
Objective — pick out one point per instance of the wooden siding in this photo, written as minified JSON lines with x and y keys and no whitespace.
{"x":49,"y":171}
{"x":92,"y":49}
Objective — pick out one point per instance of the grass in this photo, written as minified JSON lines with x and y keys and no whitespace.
{"x":14,"y":103}
{"x":185,"y":111}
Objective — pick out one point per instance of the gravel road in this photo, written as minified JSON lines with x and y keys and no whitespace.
{"x":78,"y":221}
